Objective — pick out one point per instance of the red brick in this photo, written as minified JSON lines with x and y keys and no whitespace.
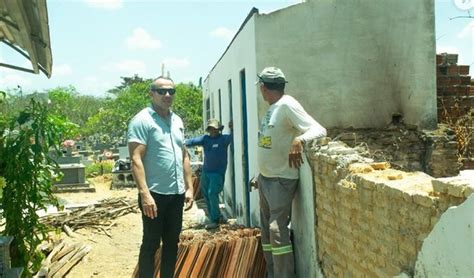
{"x":464,"y":70}
{"x":451,"y":59}
{"x":452,"y":70}
{"x":465,"y":80}
{"x":439,"y":59}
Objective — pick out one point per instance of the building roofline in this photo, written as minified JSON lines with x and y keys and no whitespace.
{"x":249,"y":16}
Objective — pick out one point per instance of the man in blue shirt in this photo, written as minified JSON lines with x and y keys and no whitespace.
{"x":162,"y":172}
{"x":215,"y":164}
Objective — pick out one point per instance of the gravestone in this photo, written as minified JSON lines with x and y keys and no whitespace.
{"x":123,"y":152}
{"x":5,"y":262}
{"x":74,"y":176}
{"x":122,"y":174}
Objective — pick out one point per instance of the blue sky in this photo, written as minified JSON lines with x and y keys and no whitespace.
{"x":94,"y":42}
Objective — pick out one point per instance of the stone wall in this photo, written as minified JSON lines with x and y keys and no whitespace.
{"x":372,"y":220}
{"x":406,"y":148}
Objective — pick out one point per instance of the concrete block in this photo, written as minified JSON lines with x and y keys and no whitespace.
{"x":408,"y":247}
{"x":425,"y":201}
{"x":468,"y":191}
{"x":456,"y":190}
{"x":380,"y":165}
{"x":360,"y":168}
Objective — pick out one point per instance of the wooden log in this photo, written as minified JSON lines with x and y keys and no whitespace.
{"x":64,"y":260}
{"x":84,"y":250}
{"x":68,"y":247}
{"x":68,"y":231}
{"x":45,"y":265}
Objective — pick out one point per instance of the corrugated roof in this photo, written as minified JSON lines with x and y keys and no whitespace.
{"x":24,"y":27}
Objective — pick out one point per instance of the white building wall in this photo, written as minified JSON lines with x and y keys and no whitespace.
{"x":349,"y":63}
{"x":448,"y":251}
{"x":240,"y":55}
{"x":355,"y":63}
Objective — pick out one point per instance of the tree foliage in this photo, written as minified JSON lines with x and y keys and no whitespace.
{"x":132,"y":96}
{"x":188,"y":105}
{"x":113,"y":117}
{"x":25,"y":144}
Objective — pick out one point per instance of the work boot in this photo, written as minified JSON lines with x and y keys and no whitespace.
{"x":222,"y":220}
{"x":211,"y":226}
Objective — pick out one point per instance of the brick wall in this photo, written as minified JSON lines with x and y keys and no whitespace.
{"x":371,"y":220}
{"x":453,"y":88}
{"x":455,"y":95}
{"x":434,"y":152}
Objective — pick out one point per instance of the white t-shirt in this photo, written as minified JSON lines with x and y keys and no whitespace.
{"x":283,"y":121}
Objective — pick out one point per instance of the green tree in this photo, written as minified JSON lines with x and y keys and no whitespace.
{"x":188,"y":105}
{"x":131,"y":96}
{"x":113,"y":117}
{"x":127,"y":82}
{"x":25,"y":144}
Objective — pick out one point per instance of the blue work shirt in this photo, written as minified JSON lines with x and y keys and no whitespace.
{"x":215,"y":151}
{"x":163,"y":160}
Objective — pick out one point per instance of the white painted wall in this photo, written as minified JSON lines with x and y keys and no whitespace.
{"x":349,"y":63}
{"x":355,"y":63}
{"x":240,"y":55}
{"x":303,"y":223}
{"x":448,"y":251}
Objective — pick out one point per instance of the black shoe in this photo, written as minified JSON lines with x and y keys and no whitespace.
{"x":211,"y":226}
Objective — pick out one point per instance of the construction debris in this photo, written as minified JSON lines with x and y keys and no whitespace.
{"x":97,"y":215}
{"x":232,"y":251}
{"x":62,"y":258}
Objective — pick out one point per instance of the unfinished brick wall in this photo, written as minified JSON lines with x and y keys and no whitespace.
{"x":453,"y":88}
{"x":407,"y":148}
{"x":371,"y":221}
{"x":455,"y":95}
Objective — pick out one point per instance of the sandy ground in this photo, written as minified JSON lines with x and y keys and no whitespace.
{"x":117,"y":255}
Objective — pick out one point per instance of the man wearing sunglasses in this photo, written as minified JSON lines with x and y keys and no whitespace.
{"x":162,"y":172}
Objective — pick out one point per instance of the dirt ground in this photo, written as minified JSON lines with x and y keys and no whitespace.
{"x":117,"y":255}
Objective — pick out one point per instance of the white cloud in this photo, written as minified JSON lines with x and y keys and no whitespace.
{"x":447,"y":49}
{"x":141,"y":39}
{"x":92,"y":85}
{"x":467,"y":31}
{"x":105,"y":4}
{"x":223,"y":33}
{"x":62,"y":70}
{"x":127,"y":67}
{"x":175,"y":63}
{"x":14,"y":80}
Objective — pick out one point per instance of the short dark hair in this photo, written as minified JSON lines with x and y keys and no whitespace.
{"x":275,"y":86}
{"x":153,"y":85}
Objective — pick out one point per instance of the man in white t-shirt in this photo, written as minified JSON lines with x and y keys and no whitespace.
{"x":284,"y":130}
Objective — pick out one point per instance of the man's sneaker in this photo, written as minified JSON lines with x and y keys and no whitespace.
{"x":211,"y":226}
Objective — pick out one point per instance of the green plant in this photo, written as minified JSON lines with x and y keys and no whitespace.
{"x":28,"y":172}
{"x":99,"y":168}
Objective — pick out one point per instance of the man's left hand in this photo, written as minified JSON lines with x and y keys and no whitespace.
{"x":295,"y":157}
{"x":188,"y":199}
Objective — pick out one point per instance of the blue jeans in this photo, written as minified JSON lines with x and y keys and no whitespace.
{"x":211,"y":185}
{"x":166,"y":229}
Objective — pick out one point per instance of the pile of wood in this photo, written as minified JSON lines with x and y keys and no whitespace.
{"x":62,"y":258}
{"x":233,"y":251}
{"x":99,"y":215}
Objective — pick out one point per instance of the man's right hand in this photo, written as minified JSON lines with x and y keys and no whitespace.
{"x":149,"y":207}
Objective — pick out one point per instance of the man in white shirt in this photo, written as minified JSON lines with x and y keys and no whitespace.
{"x":284,"y":130}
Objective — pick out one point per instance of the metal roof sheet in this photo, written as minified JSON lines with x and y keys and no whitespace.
{"x":24,"y":27}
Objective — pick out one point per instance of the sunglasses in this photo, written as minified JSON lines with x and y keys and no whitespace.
{"x":163,"y":91}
